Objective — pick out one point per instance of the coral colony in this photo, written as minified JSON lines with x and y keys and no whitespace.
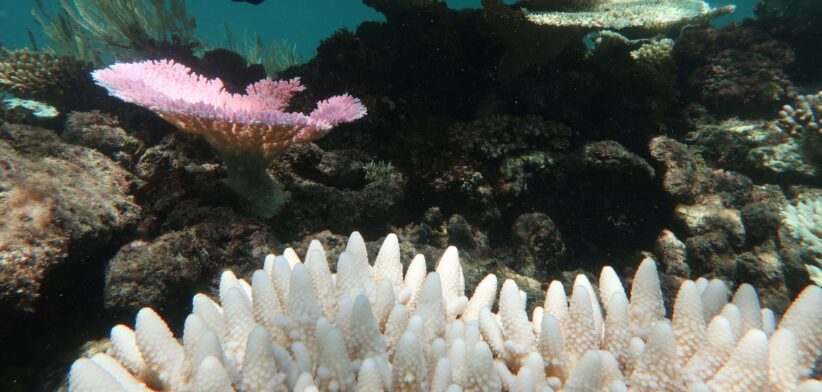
{"x":248,"y":130}
{"x":628,"y":14}
{"x":299,"y":327}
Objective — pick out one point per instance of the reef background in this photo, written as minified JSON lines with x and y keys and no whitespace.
{"x":590,"y":158}
{"x":303,"y":24}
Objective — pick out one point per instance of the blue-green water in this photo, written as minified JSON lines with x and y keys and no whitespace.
{"x":304,"y":23}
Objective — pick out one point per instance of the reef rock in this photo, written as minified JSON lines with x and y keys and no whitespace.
{"x":103,"y":133}
{"x":537,"y":244}
{"x":727,"y":226}
{"x":337,"y":190}
{"x":736,"y":70}
{"x":196,"y":243}
{"x":60,"y":204}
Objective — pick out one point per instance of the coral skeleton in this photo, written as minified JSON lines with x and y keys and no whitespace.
{"x":630,"y":14}
{"x":298,"y":326}
{"x":248,"y":130}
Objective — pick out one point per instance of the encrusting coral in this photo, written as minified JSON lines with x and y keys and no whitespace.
{"x":299,"y":327}
{"x":248,"y":130}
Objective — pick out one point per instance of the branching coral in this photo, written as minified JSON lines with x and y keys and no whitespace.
{"x":248,"y":130}
{"x":802,"y":121}
{"x":299,"y":327}
{"x":39,"y":75}
{"x":803,"y":116}
{"x":655,"y":53}
{"x":629,"y":14}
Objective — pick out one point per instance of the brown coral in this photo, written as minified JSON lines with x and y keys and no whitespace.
{"x":39,"y":75}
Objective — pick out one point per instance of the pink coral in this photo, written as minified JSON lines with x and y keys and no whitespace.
{"x":255,"y":122}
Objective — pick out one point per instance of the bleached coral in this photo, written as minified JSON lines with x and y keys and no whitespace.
{"x":432,"y":340}
{"x":802,"y":121}
{"x":248,"y":130}
{"x":803,"y":221}
{"x":803,"y":116}
{"x":631,"y":14}
{"x":655,"y":53}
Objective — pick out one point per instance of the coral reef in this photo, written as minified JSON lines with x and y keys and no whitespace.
{"x":802,"y":222}
{"x":786,"y":149}
{"x":803,"y":116}
{"x":794,"y":22}
{"x":194,"y":244}
{"x":332,"y":191}
{"x":736,"y":70}
{"x":103,"y":133}
{"x":629,"y":15}
{"x":538,"y":246}
{"x":656,"y":53}
{"x":248,"y":131}
{"x":41,"y":76}
{"x":542,"y":157}
{"x":37,"y":109}
{"x":717,"y":217}
{"x":755,"y":147}
{"x":61,"y":203}
{"x":297,"y":326}
{"x":801,"y":120}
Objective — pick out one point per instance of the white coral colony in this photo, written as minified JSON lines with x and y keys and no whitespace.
{"x":420,"y":332}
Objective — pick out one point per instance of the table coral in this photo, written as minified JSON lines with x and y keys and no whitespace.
{"x":630,"y":14}
{"x":248,"y":130}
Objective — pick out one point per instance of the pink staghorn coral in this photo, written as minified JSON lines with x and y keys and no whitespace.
{"x":248,"y":130}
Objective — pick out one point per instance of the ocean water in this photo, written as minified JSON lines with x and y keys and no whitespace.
{"x":303,"y":23}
